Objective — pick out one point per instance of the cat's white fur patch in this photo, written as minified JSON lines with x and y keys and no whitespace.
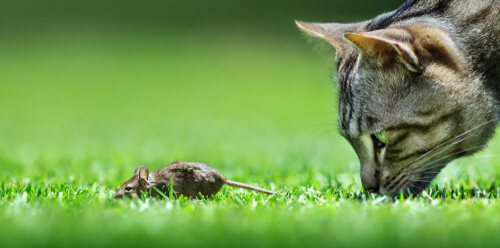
{"x":367,"y":142}
{"x":353,"y":128}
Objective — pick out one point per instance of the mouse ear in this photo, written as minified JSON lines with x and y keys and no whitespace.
{"x":143,"y":174}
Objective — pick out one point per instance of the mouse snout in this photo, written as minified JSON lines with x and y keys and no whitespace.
{"x":118,"y":194}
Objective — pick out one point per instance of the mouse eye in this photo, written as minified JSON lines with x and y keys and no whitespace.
{"x":128,"y":188}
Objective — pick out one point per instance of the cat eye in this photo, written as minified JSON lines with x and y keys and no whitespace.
{"x":379,"y":140}
{"x":381,"y":137}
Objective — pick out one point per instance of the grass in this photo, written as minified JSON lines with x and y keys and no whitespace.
{"x":80,"y":110}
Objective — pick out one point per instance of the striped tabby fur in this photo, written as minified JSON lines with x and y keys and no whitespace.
{"x":429,"y":75}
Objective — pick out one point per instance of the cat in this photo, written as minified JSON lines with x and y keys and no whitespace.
{"x":418,"y":88}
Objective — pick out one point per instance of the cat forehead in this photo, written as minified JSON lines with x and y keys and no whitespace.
{"x":371,"y":97}
{"x":359,"y":79}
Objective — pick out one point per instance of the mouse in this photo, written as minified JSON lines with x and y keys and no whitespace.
{"x":190,"y":179}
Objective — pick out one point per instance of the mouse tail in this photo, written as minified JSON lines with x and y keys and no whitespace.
{"x":250,"y":187}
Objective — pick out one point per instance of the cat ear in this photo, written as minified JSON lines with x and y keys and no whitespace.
{"x":327,"y":31}
{"x":385,"y":46}
{"x":332,"y":32}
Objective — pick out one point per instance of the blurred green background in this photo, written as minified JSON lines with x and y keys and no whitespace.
{"x":91,"y":89}
{"x":165,"y":80}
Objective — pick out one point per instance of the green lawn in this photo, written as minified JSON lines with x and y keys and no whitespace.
{"x":80,"y":110}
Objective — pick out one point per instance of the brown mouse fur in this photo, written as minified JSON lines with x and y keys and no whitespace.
{"x":189,"y":179}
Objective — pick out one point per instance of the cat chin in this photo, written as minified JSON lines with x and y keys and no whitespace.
{"x":391,"y":193}
{"x":384,"y":192}
{"x":416,"y":188}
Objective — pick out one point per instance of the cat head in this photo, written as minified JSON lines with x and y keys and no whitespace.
{"x":408,"y":102}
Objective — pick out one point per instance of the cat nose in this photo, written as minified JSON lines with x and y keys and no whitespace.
{"x":370,"y":180}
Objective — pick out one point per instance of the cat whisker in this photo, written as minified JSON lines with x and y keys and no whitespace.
{"x":451,"y":155}
{"x":441,"y":151}
{"x":426,"y":167}
{"x":429,"y":167}
{"x":412,"y":193}
{"x":431,"y":173}
{"x":421,"y":180}
{"x":428,"y":153}
{"x":427,"y":170}
{"x":445,"y":175}
{"x":487,"y":156}
{"x":417,"y":187}
{"x":426,"y":177}
{"x":447,"y":143}
{"x":427,"y":195}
